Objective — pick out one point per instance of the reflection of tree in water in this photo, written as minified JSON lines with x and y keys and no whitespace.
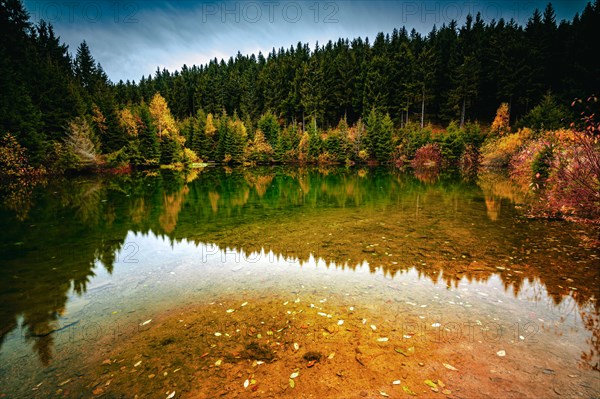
{"x":353,"y":210}
{"x":428,"y":176}
{"x":260,"y":183}
{"x":53,"y":253}
{"x":16,"y":195}
{"x":171,"y":207}
{"x":591,"y":320}
{"x":497,"y":188}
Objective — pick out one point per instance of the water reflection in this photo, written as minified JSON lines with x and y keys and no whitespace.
{"x":448,"y":229}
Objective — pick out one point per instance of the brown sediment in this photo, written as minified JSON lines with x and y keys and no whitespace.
{"x":224,"y":349}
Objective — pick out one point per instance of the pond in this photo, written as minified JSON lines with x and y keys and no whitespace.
{"x":290,"y":282}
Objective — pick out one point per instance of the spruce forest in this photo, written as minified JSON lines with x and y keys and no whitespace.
{"x":351,"y":100}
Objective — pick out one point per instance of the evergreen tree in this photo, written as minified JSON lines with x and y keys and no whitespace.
{"x":270,"y":127}
{"x":379,"y":130}
{"x":148,"y":136}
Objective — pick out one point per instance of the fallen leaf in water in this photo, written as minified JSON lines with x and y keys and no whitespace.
{"x":397,"y":382}
{"x":430,"y":383}
{"x":204,"y":355}
{"x":296,"y":346}
{"x":383,"y":339}
{"x":408,"y":352}
{"x":294,"y":375}
{"x":441,"y":384}
{"x":98,"y":391}
{"x":151,"y":376}
{"x":137,"y":364}
{"x":146,"y":322}
{"x":340,"y":322}
{"x":64,"y":382}
{"x":407,"y":390}
{"x":373,"y":327}
{"x":447,"y":392}
{"x":332,"y":329}
{"x":106,"y":361}
{"x":450,"y":367}
{"x":171,"y":396}
{"x":230,"y":310}
{"x":310,"y":364}
{"x":501,"y":353}
{"x":218,"y":362}
{"x":435,"y":325}
{"x":218,"y":334}
{"x":244,"y":304}
{"x":384,"y":394}
{"x":331,"y":355}
{"x":358,"y":358}
{"x":292,"y":383}
{"x":246,"y":383}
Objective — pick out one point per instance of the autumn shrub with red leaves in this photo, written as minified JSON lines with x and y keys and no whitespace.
{"x":13,"y":159}
{"x":573,"y":185}
{"x":563,"y":167}
{"x":428,"y":156}
{"x":530,"y":166}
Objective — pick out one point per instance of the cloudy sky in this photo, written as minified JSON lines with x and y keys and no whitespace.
{"x":133,"y":38}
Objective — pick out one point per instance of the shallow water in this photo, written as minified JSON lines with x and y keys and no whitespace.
{"x":134,"y":285}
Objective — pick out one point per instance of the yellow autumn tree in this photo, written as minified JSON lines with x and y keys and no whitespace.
{"x":501,"y":121}
{"x":210,"y":127}
{"x":128,"y":122}
{"x":163,"y":120}
{"x":99,"y":120}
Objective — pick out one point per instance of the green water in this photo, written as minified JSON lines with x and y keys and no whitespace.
{"x":88,"y":258}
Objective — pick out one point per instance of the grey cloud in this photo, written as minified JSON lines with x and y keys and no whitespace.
{"x":175,"y":33}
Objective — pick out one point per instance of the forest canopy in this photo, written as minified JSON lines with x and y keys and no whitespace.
{"x":346,"y":100}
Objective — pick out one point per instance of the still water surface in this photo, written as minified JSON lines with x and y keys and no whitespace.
{"x":228,"y":282}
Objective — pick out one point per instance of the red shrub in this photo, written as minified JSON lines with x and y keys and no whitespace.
{"x":427,"y":157}
{"x":573,"y":186}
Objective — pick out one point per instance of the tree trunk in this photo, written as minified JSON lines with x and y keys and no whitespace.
{"x":423,"y":109}
{"x":462,"y":114}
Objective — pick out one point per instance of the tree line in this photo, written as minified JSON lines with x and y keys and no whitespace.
{"x":347,"y":100}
